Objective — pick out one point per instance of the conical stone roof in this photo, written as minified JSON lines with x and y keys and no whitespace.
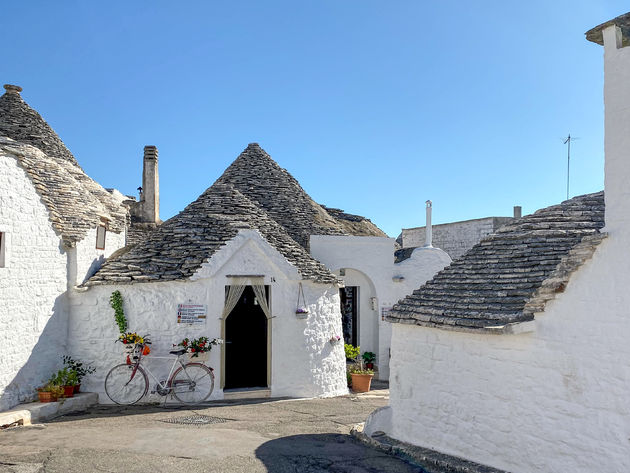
{"x":177,"y":248}
{"x":257,"y":176}
{"x":20,"y":122}
{"x":509,"y":275}
{"x":74,"y":201}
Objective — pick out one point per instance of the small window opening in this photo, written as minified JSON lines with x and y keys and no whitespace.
{"x":100,"y":237}
{"x":2,"y":245}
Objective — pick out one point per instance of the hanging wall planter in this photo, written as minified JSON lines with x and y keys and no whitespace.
{"x":301,"y":312}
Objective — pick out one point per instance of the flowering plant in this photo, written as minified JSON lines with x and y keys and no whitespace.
{"x":132,"y":338}
{"x":301,"y":310}
{"x":334,"y":339}
{"x":199,"y":345}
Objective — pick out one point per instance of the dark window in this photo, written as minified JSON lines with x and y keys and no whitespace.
{"x":2,"y":244}
{"x":100,"y":237}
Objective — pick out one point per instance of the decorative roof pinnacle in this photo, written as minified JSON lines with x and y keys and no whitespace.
{"x":12,"y":89}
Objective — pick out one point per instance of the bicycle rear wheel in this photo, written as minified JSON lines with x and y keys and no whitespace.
{"x":193,"y":383}
{"x":121,"y":388}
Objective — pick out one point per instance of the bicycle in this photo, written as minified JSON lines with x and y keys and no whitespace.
{"x":190,"y":383}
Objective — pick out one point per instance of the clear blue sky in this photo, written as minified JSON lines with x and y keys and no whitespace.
{"x":373,"y":106}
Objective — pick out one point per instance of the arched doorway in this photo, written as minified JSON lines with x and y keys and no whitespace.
{"x":246,"y":343}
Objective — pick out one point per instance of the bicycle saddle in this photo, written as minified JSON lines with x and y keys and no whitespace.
{"x":179,"y":351}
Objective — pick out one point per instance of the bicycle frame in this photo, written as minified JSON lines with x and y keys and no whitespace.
{"x":166,"y":386}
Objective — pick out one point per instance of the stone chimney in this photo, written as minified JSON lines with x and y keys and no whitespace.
{"x":518,"y":211}
{"x":428,"y":229}
{"x":614,"y":35}
{"x":150,"y":197}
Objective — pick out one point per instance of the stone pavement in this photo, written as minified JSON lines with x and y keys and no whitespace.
{"x":243,"y":436}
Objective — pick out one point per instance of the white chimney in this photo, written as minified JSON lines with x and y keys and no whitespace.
{"x":615,"y":37}
{"x":428,"y":232}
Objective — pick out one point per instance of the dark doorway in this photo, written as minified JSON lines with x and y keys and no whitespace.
{"x":246,"y":343}
{"x":349,"y":311}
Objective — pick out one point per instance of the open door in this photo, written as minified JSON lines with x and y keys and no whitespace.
{"x":246,"y":343}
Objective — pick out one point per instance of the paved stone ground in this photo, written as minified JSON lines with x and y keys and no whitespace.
{"x":275,"y":436}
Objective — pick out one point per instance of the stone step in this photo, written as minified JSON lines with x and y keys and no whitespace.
{"x":32,"y":412}
{"x":247,"y":393}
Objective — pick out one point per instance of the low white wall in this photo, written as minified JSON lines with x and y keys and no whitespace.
{"x":304,"y":363}
{"x":554,"y":400}
{"x":32,"y":320}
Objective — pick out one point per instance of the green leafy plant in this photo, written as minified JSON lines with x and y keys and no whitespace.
{"x":116,"y":301}
{"x":352,"y":352}
{"x":199,"y":345}
{"x":77,"y":366}
{"x":368,"y":357}
{"x":64,"y":377}
{"x":358,"y":369}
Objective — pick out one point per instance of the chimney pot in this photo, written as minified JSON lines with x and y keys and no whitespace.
{"x":150,"y":152}
{"x":517,"y":211}
{"x":428,"y":229}
{"x":12,"y":89}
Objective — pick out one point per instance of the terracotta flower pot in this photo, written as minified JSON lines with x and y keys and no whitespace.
{"x":45,"y":396}
{"x":77,"y":388}
{"x":68,"y":391}
{"x":361,"y":382}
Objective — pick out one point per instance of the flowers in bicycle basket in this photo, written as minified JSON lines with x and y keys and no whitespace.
{"x":199,"y":345}
{"x":132,"y":338}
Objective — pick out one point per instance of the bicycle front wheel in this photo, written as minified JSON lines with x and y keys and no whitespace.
{"x":193,"y":383}
{"x":124,"y":389}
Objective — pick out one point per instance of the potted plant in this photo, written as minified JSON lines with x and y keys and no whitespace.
{"x":78,"y":367}
{"x":199,"y":346}
{"x":67,"y":379}
{"x":368,"y":359}
{"x":361,"y":377}
{"x":50,"y":392}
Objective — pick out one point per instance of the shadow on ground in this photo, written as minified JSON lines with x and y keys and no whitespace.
{"x":317,"y":453}
{"x":110,"y":410}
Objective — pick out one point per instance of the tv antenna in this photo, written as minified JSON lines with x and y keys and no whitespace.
{"x":567,"y":141}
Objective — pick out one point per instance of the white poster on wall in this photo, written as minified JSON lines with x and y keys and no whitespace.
{"x":191,"y":313}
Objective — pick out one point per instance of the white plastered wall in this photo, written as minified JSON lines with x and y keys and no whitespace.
{"x":554,"y":400}
{"x":33,"y":325}
{"x":86,"y":259}
{"x":369,"y":263}
{"x":303,"y":362}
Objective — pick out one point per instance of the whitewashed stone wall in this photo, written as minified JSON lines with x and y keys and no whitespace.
{"x":369,"y":263}
{"x":87,"y":258}
{"x":455,"y":238}
{"x":554,"y":400}
{"x":303,"y":362}
{"x":33,"y":325}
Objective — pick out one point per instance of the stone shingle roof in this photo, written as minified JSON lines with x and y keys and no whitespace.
{"x":178,"y":247}
{"x":75,"y":202}
{"x":511,"y":274}
{"x":354,"y":224}
{"x":596,"y":34}
{"x":257,"y":176}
